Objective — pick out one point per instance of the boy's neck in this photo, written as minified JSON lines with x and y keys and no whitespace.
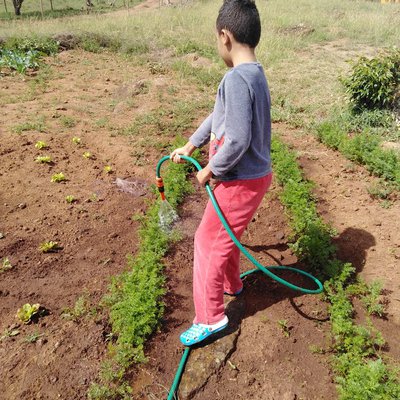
{"x":241,"y":54}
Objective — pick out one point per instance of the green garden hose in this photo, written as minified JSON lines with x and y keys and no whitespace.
{"x":265,"y":270}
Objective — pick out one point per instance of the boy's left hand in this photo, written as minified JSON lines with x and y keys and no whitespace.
{"x":204,"y":175}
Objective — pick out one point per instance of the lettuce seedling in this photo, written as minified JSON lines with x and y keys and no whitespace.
{"x":108,"y":169}
{"x":58,"y":177}
{"x":88,"y":155}
{"x":49,"y":247}
{"x":5,"y":265}
{"x":41,"y":145}
{"x":76,"y":140}
{"x":27,"y":311}
{"x":70,"y":199}
{"x":43,"y":159}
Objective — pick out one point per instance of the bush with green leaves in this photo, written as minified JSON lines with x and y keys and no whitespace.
{"x":42,"y":45}
{"x":375,"y":83}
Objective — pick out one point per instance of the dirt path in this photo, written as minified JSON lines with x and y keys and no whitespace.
{"x":368,"y":234}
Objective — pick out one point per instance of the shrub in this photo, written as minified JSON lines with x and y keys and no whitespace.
{"x":375,"y":83}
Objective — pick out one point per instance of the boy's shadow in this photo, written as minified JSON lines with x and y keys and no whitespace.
{"x":260,"y":291}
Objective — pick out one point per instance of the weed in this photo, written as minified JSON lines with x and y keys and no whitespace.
{"x":81,"y":307}
{"x":27,"y":311}
{"x":49,"y":247}
{"x":41,"y":145}
{"x":43,"y":159}
{"x":379,"y":190}
{"x":70,"y":199}
{"x":76,"y":140}
{"x":9,"y":333}
{"x":93,"y":197}
{"x":5,"y":265}
{"x":67,"y":122}
{"x":60,"y":177}
{"x":38,"y":125}
{"x":33,"y":337}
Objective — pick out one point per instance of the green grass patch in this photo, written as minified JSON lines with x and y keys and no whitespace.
{"x":361,"y":372}
{"x":363,"y":148}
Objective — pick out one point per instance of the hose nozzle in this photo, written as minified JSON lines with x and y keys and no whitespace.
{"x":160,"y":185}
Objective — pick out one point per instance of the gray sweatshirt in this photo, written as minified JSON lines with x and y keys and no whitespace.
{"x":239,"y":128}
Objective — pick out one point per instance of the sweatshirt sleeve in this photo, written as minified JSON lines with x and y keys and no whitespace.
{"x":238,"y":120}
{"x":202,"y":134}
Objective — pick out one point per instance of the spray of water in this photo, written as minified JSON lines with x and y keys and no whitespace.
{"x":167,"y":216}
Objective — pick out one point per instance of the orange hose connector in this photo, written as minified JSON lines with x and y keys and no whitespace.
{"x":160,"y":185}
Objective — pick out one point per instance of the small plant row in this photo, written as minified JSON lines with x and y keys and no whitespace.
{"x":361,"y":372}
{"x":363,"y":148}
{"x":135,"y":298}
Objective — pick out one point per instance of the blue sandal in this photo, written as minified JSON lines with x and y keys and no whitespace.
{"x":198,"y":332}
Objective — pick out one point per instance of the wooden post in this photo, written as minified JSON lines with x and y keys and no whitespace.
{"x":5,"y":6}
{"x":51,"y":5}
{"x":41,"y":8}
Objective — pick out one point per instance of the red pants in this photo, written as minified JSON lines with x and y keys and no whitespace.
{"x":216,"y":257}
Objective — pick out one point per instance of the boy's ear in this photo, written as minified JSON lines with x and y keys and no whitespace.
{"x":226,"y":37}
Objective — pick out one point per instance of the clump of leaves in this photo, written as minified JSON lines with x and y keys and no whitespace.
{"x":76,"y":140}
{"x":27,"y":311}
{"x":5,"y":265}
{"x":70,"y":199}
{"x":60,"y":177}
{"x":41,"y":145}
{"x":49,"y":247}
{"x":108,"y":169}
{"x":88,"y":155}
{"x":43,"y":159}
{"x":19,"y":61}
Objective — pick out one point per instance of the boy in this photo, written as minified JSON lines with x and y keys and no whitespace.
{"x":239,"y":132}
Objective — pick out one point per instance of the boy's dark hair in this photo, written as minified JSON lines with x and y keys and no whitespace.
{"x":241,"y":18}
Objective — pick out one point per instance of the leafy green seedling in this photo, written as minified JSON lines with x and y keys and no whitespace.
{"x":27,"y":311}
{"x":43,"y":159}
{"x":58,"y":177}
{"x":88,"y":155}
{"x":70,"y":199}
{"x":108,"y":169}
{"x":41,"y":145}
{"x":5,"y":265}
{"x":49,"y":247}
{"x":283,"y":324}
{"x":76,"y":140}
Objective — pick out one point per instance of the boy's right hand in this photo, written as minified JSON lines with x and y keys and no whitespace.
{"x":186,"y":150}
